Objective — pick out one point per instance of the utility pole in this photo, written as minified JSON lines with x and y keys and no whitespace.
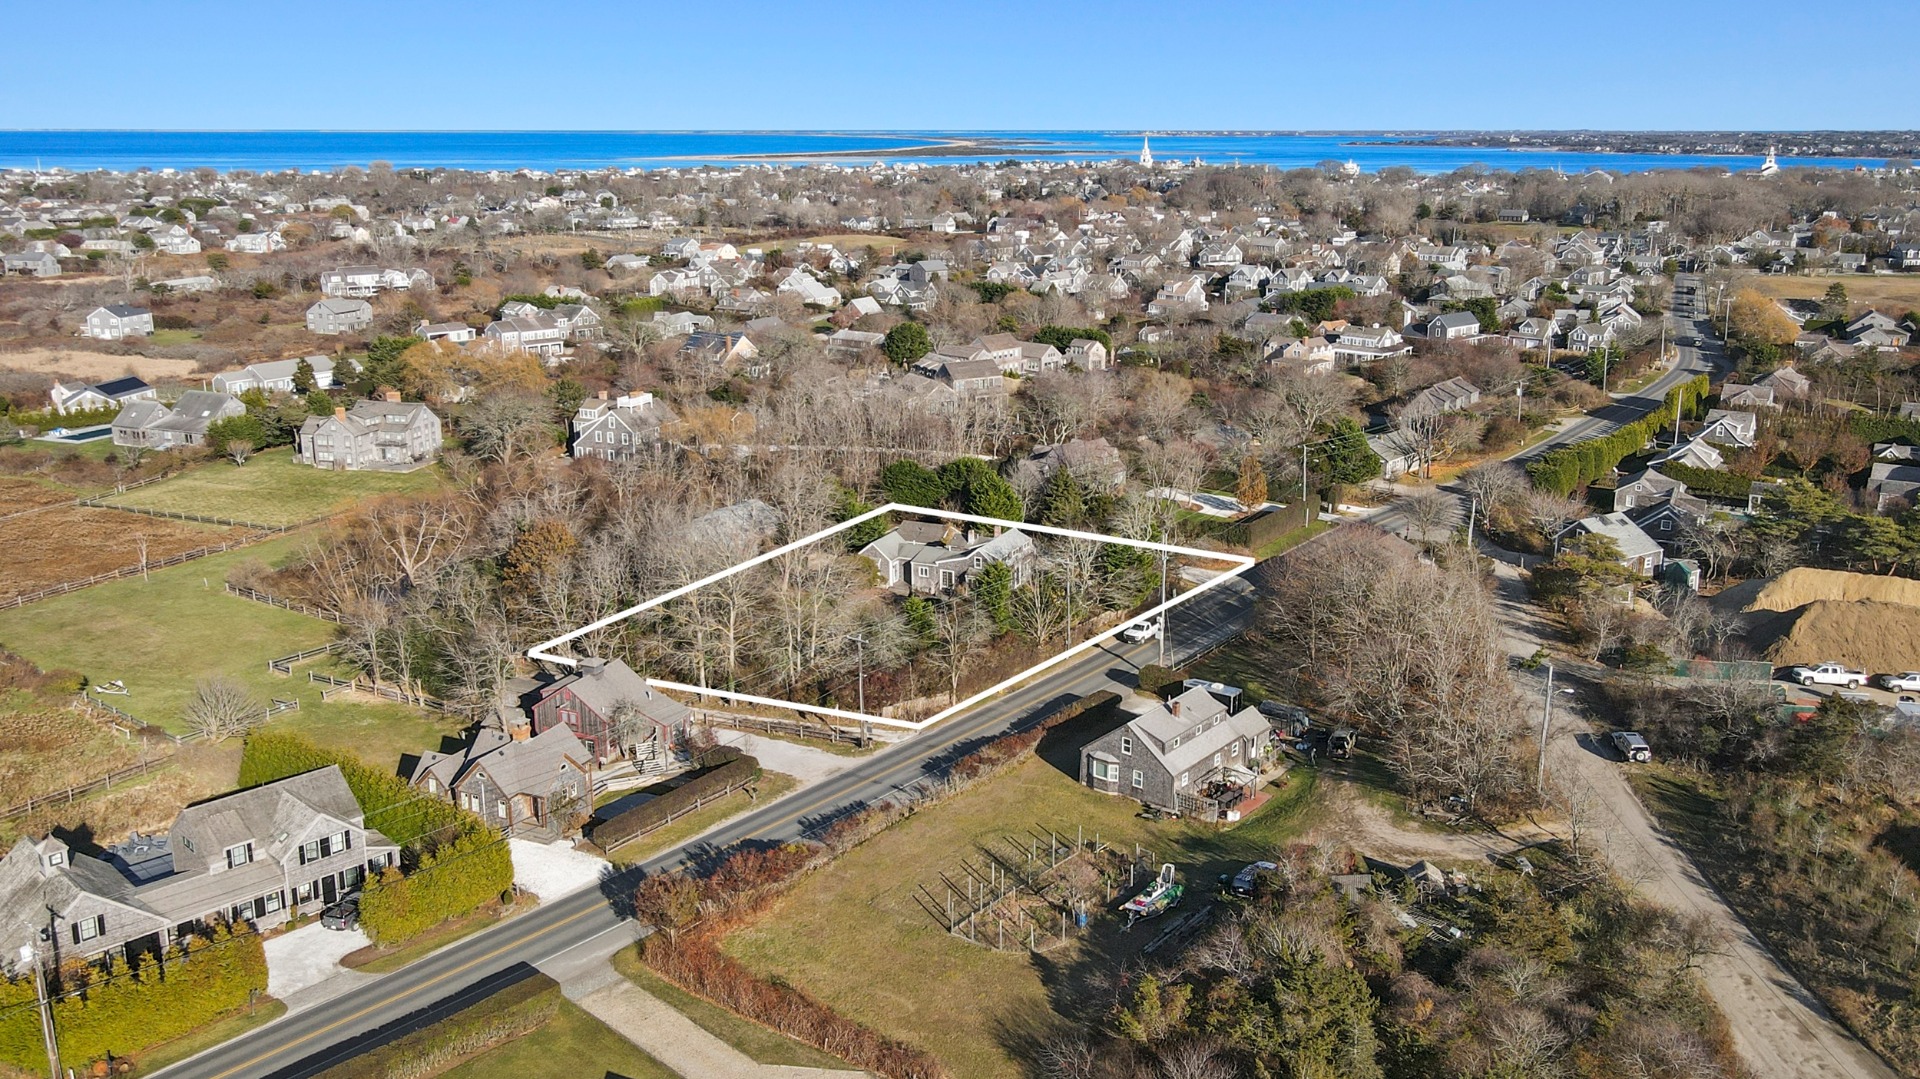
{"x":45,"y":1008}
{"x":1165,"y":622}
{"x":860,"y":650}
{"x":1303,"y":474}
{"x":1546,"y":720}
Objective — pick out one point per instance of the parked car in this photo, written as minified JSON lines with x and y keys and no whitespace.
{"x":342,"y":915}
{"x":1341,"y":742}
{"x":1242,"y":883}
{"x":1632,"y":747}
{"x":1144,"y":630}
{"x":1828,"y":674}
{"x":1907,"y":682}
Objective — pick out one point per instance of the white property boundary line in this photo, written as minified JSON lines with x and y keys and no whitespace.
{"x":1241,"y":564}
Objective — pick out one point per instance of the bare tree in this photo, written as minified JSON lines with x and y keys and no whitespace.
{"x":1427,"y":510}
{"x":221,"y":707}
{"x":239,"y":449}
{"x":1492,"y":485}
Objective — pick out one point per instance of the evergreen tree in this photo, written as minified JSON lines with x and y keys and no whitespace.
{"x":1345,"y":456}
{"x":304,"y":380}
{"x":920,"y":619}
{"x":908,"y":483}
{"x":1065,"y":504}
{"x":906,"y":343}
{"x":992,"y":588}
{"x":974,"y":487}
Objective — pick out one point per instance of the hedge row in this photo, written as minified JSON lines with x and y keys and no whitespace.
{"x":695,"y":964}
{"x":513,"y":1012}
{"x":47,"y":419}
{"x":391,"y":806}
{"x":125,"y":1010}
{"x":726,"y":768}
{"x":456,"y":862}
{"x":1872,"y":429}
{"x":1562,"y":470}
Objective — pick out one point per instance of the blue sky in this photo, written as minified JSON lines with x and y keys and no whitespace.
{"x":983,"y":65}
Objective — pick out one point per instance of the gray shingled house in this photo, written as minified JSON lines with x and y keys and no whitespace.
{"x":1189,"y":755}
{"x":385,"y":436}
{"x":255,"y":855}
{"x":159,"y":427}
{"x":937,"y":557}
{"x":516,"y":783}
{"x":588,"y":702}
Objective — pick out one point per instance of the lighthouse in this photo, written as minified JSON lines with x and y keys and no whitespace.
{"x":1146,"y":154}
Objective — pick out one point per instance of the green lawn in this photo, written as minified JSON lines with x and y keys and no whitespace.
{"x":573,"y":1045}
{"x":173,"y":337}
{"x":164,"y":635}
{"x":1292,"y":539}
{"x":856,"y":936}
{"x":271,"y":489}
{"x":772,"y":785}
{"x":170,"y":1053}
{"x":761,"y":1043}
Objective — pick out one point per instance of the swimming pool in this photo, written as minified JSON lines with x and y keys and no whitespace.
{"x":87,"y":434}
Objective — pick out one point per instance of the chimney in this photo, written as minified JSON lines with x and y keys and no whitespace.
{"x":393,"y":396}
{"x":603,"y":395}
{"x":1174,"y":706}
{"x":339,"y":412}
{"x":593,"y":667}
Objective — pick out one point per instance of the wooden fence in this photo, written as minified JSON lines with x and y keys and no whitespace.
{"x":703,"y":800}
{"x":337,"y":686}
{"x":284,"y":664}
{"x":207,"y":519}
{"x":821,"y":731}
{"x":127,"y":571}
{"x":98,"y":783}
{"x":285,"y":604}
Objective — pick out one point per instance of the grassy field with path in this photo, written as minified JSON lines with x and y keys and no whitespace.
{"x":271,"y":488}
{"x":763,"y":1044}
{"x":572,"y":1045}
{"x":855,"y":936}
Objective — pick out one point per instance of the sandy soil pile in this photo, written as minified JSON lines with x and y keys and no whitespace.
{"x":1870,"y":635}
{"x":1801,"y":586}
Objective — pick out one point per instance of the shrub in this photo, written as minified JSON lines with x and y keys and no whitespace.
{"x":513,"y":1012}
{"x":725,"y":770}
{"x":1156,"y":680}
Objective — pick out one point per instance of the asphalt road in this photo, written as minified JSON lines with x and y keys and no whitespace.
{"x":306,"y":1042}
{"x":1703,"y":355}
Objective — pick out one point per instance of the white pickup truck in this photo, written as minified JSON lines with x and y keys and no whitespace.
{"x":1828,"y":674}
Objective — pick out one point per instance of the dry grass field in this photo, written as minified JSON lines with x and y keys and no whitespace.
{"x":62,"y":543}
{"x":20,"y":493}
{"x":1893,"y":294}
{"x":96,"y":366}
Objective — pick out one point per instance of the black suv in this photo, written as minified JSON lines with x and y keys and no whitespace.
{"x":342,"y":915}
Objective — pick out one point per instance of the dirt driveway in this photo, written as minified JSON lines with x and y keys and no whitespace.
{"x":1779,"y":1028}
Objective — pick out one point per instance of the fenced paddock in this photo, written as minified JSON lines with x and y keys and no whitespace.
{"x":1033,"y":890}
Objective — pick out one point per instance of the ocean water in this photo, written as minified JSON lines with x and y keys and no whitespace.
{"x":262,"y":151}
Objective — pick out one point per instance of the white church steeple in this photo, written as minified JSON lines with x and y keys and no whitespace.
{"x":1146,"y":153}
